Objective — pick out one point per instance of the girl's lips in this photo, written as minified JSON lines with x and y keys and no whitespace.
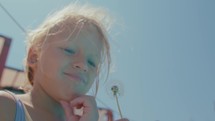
{"x":75,"y":77}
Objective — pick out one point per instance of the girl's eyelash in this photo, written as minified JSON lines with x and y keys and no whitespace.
{"x":70,"y":51}
{"x":91,"y":63}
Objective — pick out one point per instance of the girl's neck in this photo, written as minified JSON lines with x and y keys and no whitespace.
{"x":38,"y":99}
{"x":44,"y":101}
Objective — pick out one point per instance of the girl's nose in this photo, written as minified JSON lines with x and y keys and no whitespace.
{"x":80,"y":64}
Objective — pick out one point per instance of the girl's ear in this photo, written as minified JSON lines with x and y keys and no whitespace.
{"x":32,"y":58}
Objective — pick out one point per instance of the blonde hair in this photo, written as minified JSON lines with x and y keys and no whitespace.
{"x":71,"y":15}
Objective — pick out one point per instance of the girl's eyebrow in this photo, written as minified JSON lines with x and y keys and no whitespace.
{"x":66,"y":44}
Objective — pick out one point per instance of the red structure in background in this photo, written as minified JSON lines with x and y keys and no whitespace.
{"x":4,"y":49}
{"x":105,"y":114}
{"x":15,"y":78}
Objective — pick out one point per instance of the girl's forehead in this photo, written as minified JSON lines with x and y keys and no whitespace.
{"x":86,"y":35}
{"x":76,"y":32}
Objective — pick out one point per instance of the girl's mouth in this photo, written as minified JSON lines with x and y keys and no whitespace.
{"x":75,"y":77}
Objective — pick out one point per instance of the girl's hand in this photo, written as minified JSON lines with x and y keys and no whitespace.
{"x":87,"y":103}
{"x":123,"y":119}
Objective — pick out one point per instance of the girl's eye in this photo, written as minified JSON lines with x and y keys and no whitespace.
{"x":69,"y":51}
{"x":92,"y":63}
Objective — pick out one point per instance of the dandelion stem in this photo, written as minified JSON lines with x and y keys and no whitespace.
{"x":118,"y":106}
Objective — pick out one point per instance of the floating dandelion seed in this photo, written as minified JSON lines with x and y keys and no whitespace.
{"x":116,"y":90}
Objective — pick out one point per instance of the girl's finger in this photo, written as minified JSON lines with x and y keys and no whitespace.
{"x":84,"y":101}
{"x":89,"y":108}
{"x":66,"y":107}
{"x":69,"y":112}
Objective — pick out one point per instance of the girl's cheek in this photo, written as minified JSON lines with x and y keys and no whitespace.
{"x":93,"y":78}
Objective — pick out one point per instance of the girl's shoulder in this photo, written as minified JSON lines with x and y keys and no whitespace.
{"x":7,"y":106}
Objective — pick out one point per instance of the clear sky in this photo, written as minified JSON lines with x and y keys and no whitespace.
{"x":163,"y":54}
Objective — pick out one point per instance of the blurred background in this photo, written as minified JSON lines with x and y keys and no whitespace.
{"x":163,"y":55}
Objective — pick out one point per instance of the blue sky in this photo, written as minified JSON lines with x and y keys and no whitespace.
{"x":163,"y":54}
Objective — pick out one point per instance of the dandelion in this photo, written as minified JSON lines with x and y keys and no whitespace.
{"x":116,"y":89}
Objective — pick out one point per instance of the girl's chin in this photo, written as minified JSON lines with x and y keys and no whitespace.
{"x":68,"y":93}
{"x":71,"y":95}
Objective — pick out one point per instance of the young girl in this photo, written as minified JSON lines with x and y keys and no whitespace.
{"x":65,"y":56}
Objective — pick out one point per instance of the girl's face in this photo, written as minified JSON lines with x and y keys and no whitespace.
{"x":68,"y":65}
